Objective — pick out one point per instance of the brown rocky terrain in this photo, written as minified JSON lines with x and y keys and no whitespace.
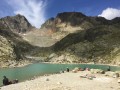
{"x":17,"y":24}
{"x":83,"y":39}
{"x":70,"y":37}
{"x":12,"y":45}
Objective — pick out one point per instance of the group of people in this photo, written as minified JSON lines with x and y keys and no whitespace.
{"x":7,"y":82}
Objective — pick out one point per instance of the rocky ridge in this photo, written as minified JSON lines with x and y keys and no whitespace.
{"x":17,"y":24}
{"x":70,"y":37}
{"x":83,"y":39}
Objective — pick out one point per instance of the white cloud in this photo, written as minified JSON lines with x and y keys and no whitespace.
{"x":110,"y":13}
{"x":33,"y":10}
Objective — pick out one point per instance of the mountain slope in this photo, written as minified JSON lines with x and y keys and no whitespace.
{"x":96,"y":40}
{"x":98,"y":45}
{"x":12,"y":46}
{"x":17,"y":24}
{"x":70,"y":37}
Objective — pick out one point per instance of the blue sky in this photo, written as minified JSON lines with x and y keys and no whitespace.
{"x":37,"y":11}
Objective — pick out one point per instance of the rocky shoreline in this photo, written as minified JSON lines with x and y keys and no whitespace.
{"x":73,"y":80}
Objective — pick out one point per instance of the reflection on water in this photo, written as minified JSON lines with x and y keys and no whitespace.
{"x":37,"y":69}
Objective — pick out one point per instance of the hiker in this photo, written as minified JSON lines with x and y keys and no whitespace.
{"x":67,"y":69}
{"x":108,"y":69}
{"x":5,"y":80}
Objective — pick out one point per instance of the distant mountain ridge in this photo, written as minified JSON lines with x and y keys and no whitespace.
{"x":70,"y":37}
{"x":77,"y":19}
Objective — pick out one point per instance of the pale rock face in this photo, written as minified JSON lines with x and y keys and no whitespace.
{"x":52,"y":55}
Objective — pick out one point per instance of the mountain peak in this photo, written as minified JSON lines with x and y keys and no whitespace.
{"x":76,"y":14}
{"x":17,"y":24}
{"x":70,"y":16}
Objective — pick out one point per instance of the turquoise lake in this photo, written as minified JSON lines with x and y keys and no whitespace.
{"x":39,"y":69}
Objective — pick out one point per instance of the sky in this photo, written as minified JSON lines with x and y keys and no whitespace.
{"x":38,"y":11}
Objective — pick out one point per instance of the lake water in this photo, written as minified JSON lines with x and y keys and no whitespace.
{"x":37,"y":69}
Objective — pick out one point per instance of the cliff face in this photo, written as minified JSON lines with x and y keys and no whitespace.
{"x":77,"y":21}
{"x":17,"y":24}
{"x":85,"y":39}
{"x":73,"y":19}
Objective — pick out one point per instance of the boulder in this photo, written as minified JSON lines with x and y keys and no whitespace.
{"x":118,"y":81}
{"x":117,"y":72}
{"x":47,"y":79}
{"x":76,"y":69}
{"x":109,"y":73}
{"x":100,"y":71}
{"x":115,"y":75}
{"x":112,"y":74}
{"x":59,"y":83}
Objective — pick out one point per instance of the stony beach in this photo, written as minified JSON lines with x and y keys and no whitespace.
{"x":68,"y":81}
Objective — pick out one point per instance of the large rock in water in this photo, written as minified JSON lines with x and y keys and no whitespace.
{"x":18,"y":24}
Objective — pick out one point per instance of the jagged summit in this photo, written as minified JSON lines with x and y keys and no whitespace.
{"x":68,"y":20}
{"x":70,"y":16}
{"x":17,"y":24}
{"x":73,"y":18}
